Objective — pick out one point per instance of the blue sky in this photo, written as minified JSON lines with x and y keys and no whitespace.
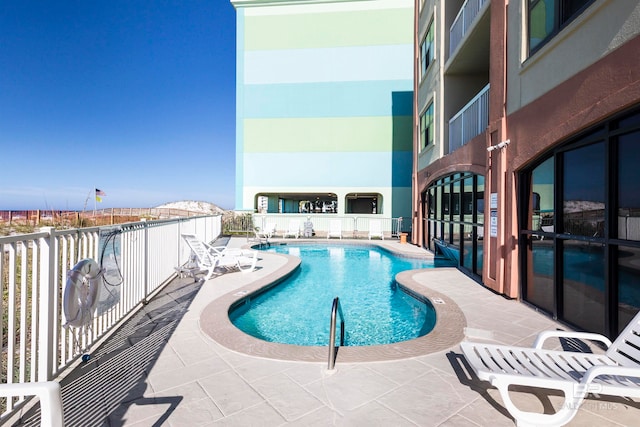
{"x":136,"y":98}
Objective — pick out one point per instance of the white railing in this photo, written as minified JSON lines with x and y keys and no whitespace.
{"x":469,"y":122}
{"x":463,"y":21}
{"x":36,"y":345}
{"x":353,"y":226}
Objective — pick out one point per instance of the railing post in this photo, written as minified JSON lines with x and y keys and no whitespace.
{"x":336,"y":310}
{"x":145,"y":257}
{"x":178,"y":242}
{"x":355,"y":227}
{"x":46,"y":305}
{"x":332,"y":336}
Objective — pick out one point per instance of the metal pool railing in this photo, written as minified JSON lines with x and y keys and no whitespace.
{"x":336,"y":310}
{"x":36,"y":345}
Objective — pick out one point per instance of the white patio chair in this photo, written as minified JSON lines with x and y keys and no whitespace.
{"x":51,"y":412}
{"x":335,"y":229}
{"x":294,"y":229}
{"x":209,"y":258}
{"x":375,"y":229}
{"x":271,"y":229}
{"x":575,"y":374}
{"x":257,"y":237}
{"x":268,"y":232}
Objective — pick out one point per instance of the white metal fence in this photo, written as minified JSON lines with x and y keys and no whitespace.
{"x":353,"y":226}
{"x":36,"y":345}
{"x":470,"y":121}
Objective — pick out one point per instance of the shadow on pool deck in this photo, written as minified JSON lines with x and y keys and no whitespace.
{"x":160,"y":368}
{"x":100,"y":391}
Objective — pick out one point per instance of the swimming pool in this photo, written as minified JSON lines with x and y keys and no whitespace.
{"x":376,"y":310}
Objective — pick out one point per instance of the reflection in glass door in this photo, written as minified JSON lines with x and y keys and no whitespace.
{"x":580,"y":255}
{"x":455,"y":215}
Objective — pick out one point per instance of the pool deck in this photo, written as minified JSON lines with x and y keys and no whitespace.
{"x":162,"y":367}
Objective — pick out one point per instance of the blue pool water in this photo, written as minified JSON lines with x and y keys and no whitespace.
{"x":376,"y":311}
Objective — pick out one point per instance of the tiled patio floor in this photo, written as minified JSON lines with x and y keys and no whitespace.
{"x":161,"y":369}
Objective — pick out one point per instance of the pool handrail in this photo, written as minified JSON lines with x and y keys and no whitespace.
{"x":336,"y":310}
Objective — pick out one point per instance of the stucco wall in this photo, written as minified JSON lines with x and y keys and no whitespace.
{"x":598,"y":31}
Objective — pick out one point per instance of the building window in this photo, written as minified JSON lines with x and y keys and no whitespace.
{"x":426,"y":51}
{"x":583,"y":192}
{"x":364,"y":203}
{"x":426,"y":127}
{"x":548,"y":17}
{"x":455,"y":219}
{"x":581,"y":234}
{"x":297,"y":203}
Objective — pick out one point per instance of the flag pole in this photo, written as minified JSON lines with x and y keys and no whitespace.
{"x":84,"y":208}
{"x":95,"y":200}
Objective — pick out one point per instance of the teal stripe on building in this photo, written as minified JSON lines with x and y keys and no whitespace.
{"x":323,"y":99}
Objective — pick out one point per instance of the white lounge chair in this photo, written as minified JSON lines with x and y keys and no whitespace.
{"x":614,"y":373}
{"x":267,"y":232}
{"x":375,"y":229}
{"x":294,"y":229}
{"x":209,"y":258}
{"x":49,"y":393}
{"x":335,"y":229}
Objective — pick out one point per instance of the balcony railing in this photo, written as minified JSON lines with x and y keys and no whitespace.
{"x":463,"y":21}
{"x":469,"y":122}
{"x":36,"y":345}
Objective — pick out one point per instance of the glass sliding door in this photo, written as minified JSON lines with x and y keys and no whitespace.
{"x":580,"y":234}
{"x":584,"y":191}
{"x":478,"y":220}
{"x":540,"y":248}
{"x":583,"y":285}
{"x":455,"y":219}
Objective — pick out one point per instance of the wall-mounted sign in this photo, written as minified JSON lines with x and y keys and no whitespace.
{"x":493,"y":201}
{"x":493,"y":224}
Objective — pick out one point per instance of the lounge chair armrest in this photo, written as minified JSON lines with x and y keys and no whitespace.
{"x":216,"y":250}
{"x":245,"y":253}
{"x":543,"y":336}
{"x":609,"y":370}
{"x":48,"y":392}
{"x":236,"y":252}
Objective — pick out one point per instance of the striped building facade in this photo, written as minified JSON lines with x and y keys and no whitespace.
{"x":324,"y":106}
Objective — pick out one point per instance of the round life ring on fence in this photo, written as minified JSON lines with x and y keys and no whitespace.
{"x":81,"y":292}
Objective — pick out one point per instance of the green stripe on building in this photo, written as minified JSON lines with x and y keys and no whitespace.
{"x":334,"y":29}
{"x":340,"y":134}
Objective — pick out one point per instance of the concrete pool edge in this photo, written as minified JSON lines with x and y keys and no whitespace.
{"x":448,"y":331}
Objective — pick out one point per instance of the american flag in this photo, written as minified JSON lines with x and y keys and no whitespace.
{"x":100,"y":192}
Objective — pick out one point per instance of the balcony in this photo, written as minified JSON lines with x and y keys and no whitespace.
{"x":463,"y":22}
{"x":470,"y":121}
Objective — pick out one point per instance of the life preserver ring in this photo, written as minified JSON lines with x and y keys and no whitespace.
{"x":81,"y":292}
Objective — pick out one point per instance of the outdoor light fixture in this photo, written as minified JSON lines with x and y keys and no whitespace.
{"x":500,"y":145}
